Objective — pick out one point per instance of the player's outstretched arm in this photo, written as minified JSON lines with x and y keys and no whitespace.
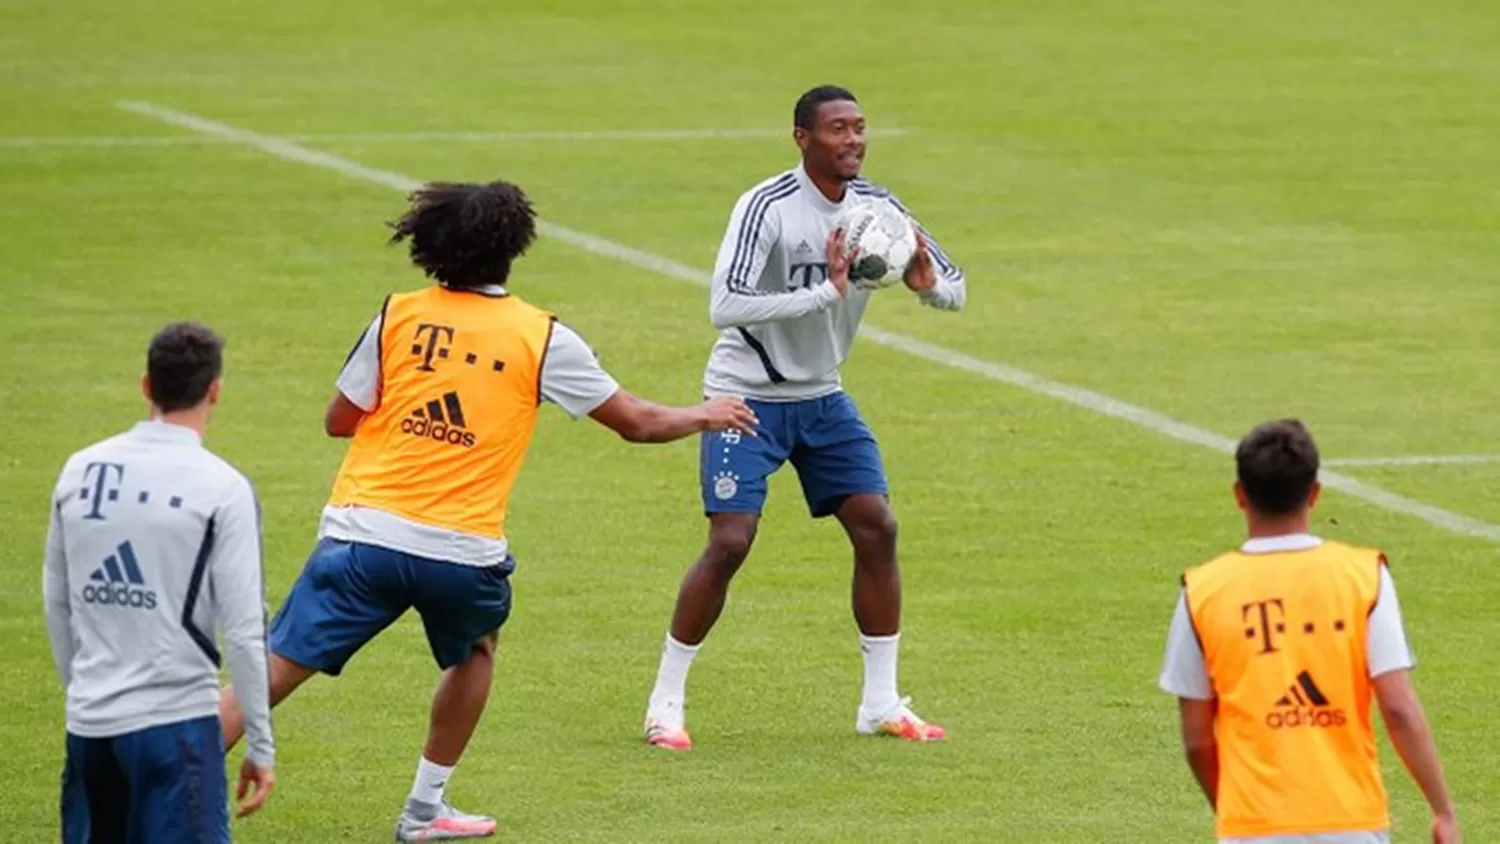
{"x":1406,"y":722}
{"x":638,"y":420}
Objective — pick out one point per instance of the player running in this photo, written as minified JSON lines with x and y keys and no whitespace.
{"x":1275,"y":652}
{"x":153,"y":542}
{"x":788,"y":315}
{"x":440,"y":396}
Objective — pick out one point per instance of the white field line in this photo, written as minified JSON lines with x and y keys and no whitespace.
{"x":1077,"y":396}
{"x":106,"y":141}
{"x":1416,"y":460}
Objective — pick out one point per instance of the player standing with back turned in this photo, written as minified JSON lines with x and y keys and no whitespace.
{"x":1275,"y":652}
{"x":154,"y":542}
{"x":788,"y":316}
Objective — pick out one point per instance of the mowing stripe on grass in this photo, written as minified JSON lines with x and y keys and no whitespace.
{"x":108,"y":141}
{"x":1416,"y":460}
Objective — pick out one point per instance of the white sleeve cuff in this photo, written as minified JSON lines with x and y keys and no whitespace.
{"x":827,"y":295}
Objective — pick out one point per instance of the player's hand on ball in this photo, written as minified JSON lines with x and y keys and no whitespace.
{"x":730,"y":413}
{"x":839,"y":261}
{"x":920,"y":275}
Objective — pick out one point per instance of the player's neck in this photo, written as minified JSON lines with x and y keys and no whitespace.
{"x":1262,"y":527}
{"x":831,"y":187}
{"x":193,"y":418}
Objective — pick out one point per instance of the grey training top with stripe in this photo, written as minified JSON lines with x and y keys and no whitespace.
{"x":153,"y":547}
{"x":784,"y":328}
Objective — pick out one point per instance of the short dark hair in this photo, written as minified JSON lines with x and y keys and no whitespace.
{"x":1277,"y":462}
{"x":467,"y":235}
{"x":806,"y":112}
{"x":182,"y":362}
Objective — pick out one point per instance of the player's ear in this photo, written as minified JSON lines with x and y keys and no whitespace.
{"x":1240,"y":497}
{"x":213,"y":391}
{"x":802,"y":137}
{"x":1312,"y":496}
{"x":146,"y":387}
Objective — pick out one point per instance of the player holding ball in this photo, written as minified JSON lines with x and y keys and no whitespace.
{"x":788,"y":311}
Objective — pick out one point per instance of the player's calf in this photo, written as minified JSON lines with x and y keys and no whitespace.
{"x":286,"y":677}
{"x":458,"y":704}
{"x":871,"y":527}
{"x":700,"y":601}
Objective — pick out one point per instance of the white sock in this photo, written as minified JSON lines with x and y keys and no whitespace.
{"x":880,"y":672}
{"x":671,"y":676}
{"x":431,"y":777}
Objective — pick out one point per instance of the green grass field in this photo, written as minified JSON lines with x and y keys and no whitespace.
{"x":1221,"y":212}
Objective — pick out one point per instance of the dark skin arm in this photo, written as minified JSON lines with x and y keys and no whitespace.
{"x":637,"y":420}
{"x":342,"y":416}
{"x":1201,"y":747}
{"x":634,"y":419}
{"x":1406,"y":722}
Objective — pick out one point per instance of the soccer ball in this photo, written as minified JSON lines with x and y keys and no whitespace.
{"x":886,"y":240}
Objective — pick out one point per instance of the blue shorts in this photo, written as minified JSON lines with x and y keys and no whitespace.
{"x":350,"y":591}
{"x":160,"y":785}
{"x":831,"y":447}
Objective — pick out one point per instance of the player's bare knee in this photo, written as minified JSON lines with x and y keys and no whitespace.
{"x":728,"y":546}
{"x":875,"y":532}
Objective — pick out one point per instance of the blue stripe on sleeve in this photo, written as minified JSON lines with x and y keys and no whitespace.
{"x":746,"y":222}
{"x":750,"y":224}
{"x":740,"y":278}
{"x":943,"y":261}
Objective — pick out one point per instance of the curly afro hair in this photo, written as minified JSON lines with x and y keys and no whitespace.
{"x":467,"y":235}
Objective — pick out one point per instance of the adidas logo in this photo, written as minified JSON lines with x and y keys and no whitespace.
{"x":440,"y":420}
{"x":804,"y":248}
{"x":119,"y":583}
{"x":1304,"y":705}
